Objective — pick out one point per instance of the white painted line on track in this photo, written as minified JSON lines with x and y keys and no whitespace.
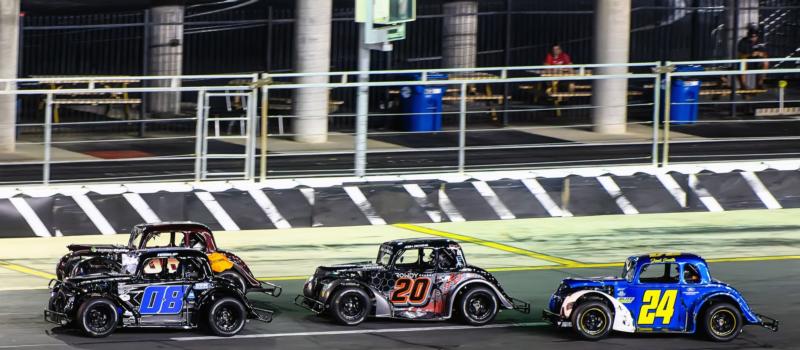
{"x":364,"y":205}
{"x":761,"y":191}
{"x":674,"y":189}
{"x":94,"y":214}
{"x":702,"y":193}
{"x":217,"y":211}
{"x":448,"y":207}
{"x":422,"y":200}
{"x":541,"y":195}
{"x":615,"y":192}
{"x":30,"y":216}
{"x":493,"y":200}
{"x":269,"y":208}
{"x":365,"y":331}
{"x":24,"y":346}
{"x":142,"y":208}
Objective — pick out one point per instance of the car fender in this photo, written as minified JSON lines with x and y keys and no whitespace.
{"x":749,"y":316}
{"x":500,"y":295}
{"x":623,"y":320}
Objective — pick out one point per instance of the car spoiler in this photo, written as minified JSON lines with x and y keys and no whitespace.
{"x":769,"y":322}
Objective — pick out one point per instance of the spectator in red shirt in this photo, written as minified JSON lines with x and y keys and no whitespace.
{"x":557,"y":57}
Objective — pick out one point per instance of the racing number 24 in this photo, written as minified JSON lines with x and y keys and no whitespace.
{"x":411,"y":291}
{"x":656,"y":305}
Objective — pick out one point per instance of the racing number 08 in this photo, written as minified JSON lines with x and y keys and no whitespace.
{"x":655,"y":305}
{"x":411,"y":291}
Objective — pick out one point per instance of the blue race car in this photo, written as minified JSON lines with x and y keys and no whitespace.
{"x":657,"y":293}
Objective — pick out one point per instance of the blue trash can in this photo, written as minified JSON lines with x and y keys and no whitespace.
{"x":423,"y":103}
{"x":686,"y":94}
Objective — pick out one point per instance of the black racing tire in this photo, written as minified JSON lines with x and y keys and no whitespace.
{"x":349,"y":306}
{"x":592,"y":320}
{"x":226,"y":317}
{"x":97,"y":317}
{"x":722,"y":322}
{"x":477,"y":306}
{"x":236,"y":278}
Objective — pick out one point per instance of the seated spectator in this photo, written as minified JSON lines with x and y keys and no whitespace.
{"x":557,"y":57}
{"x":751,"y":47}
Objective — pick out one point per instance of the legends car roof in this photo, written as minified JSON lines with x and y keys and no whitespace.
{"x":430,"y":242}
{"x":172,"y":226}
{"x":668,"y":257}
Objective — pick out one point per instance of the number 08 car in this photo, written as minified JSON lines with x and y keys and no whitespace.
{"x":414,"y":279}
{"x":671,"y":293}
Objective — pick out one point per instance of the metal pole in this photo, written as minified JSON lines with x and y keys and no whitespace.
{"x":198,"y":139}
{"x":734,"y":54}
{"x":362,"y":107}
{"x":462,"y":129}
{"x":48,"y":138}
{"x":269,"y":39}
{"x":252,"y":103}
{"x":506,"y":86}
{"x":145,"y":71}
{"x":264,"y":133}
{"x":667,"y":119}
{"x":656,"y":111}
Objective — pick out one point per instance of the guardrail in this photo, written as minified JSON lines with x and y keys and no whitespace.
{"x":546,"y":124}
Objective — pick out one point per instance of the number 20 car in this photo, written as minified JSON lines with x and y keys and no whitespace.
{"x":415,"y":279}
{"x":664,"y":293}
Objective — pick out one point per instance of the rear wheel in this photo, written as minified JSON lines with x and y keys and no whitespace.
{"x":478,"y":306}
{"x":592,"y":320}
{"x":722,"y":322}
{"x":236,"y":278}
{"x":226,"y":317}
{"x":349,"y":306}
{"x":98,"y":317}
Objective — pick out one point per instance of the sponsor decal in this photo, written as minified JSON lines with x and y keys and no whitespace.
{"x":626,"y":300}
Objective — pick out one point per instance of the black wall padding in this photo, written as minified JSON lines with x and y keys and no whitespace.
{"x":693,"y":203}
{"x":469,"y":202}
{"x":784,"y":186}
{"x":14,"y":225}
{"x":731,"y":191}
{"x":243,"y":209}
{"x":394,"y":204}
{"x":180,"y":206}
{"x":293,"y":206}
{"x":588,"y":197}
{"x":70,"y":219}
{"x":647,"y":195}
{"x":518,"y":199}
{"x":116,"y":209}
{"x":333,"y":207}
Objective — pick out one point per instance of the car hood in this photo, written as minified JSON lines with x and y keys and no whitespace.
{"x":332,"y":270}
{"x":578,"y":282}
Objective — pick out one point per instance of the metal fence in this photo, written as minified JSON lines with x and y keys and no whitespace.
{"x":240,"y":126}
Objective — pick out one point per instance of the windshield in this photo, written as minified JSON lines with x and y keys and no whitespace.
{"x":384,"y":256}
{"x":627,"y":271}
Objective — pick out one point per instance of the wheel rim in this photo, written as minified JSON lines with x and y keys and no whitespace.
{"x":723,"y":323}
{"x":99,"y":318}
{"x":593,"y":321}
{"x":226,"y":318}
{"x":479,"y":306}
{"x":351,"y":306}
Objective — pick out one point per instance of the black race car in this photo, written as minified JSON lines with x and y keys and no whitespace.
{"x":416,"y":279}
{"x":170,"y":288}
{"x":87,"y":259}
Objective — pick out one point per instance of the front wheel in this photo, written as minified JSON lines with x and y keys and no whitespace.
{"x":592,"y":320}
{"x":97,"y":317}
{"x":226,"y":317}
{"x":722,"y":322}
{"x":349,"y":306}
{"x":477,"y":306}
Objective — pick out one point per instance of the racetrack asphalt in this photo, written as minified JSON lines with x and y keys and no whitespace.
{"x":771,"y":287}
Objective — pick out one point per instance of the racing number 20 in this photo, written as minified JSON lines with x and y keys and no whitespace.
{"x":656,"y":305}
{"x":411,"y":291}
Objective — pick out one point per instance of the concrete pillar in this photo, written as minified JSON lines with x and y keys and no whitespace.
{"x":312,"y":55}
{"x":9,"y":53}
{"x":460,"y":34}
{"x":611,"y":45}
{"x":166,"y":53}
